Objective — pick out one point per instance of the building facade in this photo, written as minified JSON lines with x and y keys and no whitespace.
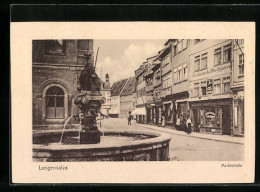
{"x":180,"y":67}
{"x":210,"y":96}
{"x":106,"y":93}
{"x":166,"y":93}
{"x":116,"y":90}
{"x":56,"y":67}
{"x":140,"y":111}
{"x":238,"y":87}
{"x":127,"y":100}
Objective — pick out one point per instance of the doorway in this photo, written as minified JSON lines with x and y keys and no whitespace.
{"x":226,"y":121}
{"x":195,"y":119}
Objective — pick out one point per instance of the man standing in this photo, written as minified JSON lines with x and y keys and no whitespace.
{"x":129,"y":118}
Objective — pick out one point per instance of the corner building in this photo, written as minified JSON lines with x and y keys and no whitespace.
{"x":210,"y":96}
{"x":238,"y":87}
{"x":56,"y":67}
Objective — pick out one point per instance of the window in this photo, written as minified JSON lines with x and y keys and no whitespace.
{"x":203,"y":88}
{"x":165,"y":60}
{"x":54,"y":47}
{"x":185,"y":44}
{"x":179,"y":46}
{"x":167,"y":81}
{"x":185,"y":72}
{"x":175,"y":75}
{"x":204,"y":60}
{"x":217,"y":56}
{"x":226,"y":85}
{"x":196,"y":89}
{"x":216,"y":88}
{"x":240,"y":41}
{"x":55,"y":103}
{"x":197,"y":41}
{"x":227,"y":54}
{"x":175,"y":50}
{"x":179,"y":74}
{"x":197,"y":63}
{"x":241,"y":64}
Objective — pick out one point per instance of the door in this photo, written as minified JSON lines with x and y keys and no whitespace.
{"x":226,"y":121}
{"x":195,"y":119}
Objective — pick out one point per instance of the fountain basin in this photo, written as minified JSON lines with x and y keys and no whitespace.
{"x":114,"y":146}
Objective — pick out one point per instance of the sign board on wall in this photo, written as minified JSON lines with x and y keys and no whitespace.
{"x":209,"y":86}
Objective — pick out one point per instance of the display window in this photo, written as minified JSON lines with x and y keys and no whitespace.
{"x":210,"y":117}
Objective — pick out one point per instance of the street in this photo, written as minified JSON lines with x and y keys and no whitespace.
{"x":186,"y":148}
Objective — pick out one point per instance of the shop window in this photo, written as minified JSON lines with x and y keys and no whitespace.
{"x":216,"y":88}
{"x":196,"y":89}
{"x":197,"y":63}
{"x":55,"y":103}
{"x":204,"y":60}
{"x":203,"y":88}
{"x":227,"y":54}
{"x":54,"y":47}
{"x":217,"y":56}
{"x":226,"y":85}
{"x":241,"y":64}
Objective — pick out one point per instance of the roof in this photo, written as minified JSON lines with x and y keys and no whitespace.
{"x":130,"y":87}
{"x":117,"y":87}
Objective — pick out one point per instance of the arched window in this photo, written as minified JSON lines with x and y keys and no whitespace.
{"x":55,"y":103}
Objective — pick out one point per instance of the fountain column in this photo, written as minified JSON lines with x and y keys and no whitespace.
{"x":89,"y":101}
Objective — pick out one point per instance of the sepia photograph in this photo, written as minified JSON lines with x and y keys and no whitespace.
{"x":138,"y":100}
{"x":133,"y":102}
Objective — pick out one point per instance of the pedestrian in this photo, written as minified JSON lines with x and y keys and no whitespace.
{"x":178,"y":123}
{"x":129,"y":118}
{"x":163,"y":119}
{"x":188,"y":125}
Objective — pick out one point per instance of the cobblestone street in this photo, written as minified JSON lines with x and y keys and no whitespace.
{"x":184,"y":147}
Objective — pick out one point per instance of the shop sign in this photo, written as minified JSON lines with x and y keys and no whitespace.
{"x":209,"y":86}
{"x":213,"y":70}
{"x":210,"y":115}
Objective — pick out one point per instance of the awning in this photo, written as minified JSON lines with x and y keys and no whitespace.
{"x":139,"y":111}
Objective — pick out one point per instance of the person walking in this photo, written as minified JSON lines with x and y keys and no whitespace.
{"x":129,"y":118}
{"x":188,"y":125}
{"x":178,"y":123}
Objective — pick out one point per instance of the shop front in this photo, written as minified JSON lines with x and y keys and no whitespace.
{"x":150,"y":113}
{"x":168,"y":112}
{"x":140,"y":114}
{"x":157,"y":111}
{"x":212,"y":116}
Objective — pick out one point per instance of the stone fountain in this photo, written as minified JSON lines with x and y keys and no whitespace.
{"x":89,"y":101}
{"x":87,"y":144}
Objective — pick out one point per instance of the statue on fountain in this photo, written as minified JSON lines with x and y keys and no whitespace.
{"x":89,"y":101}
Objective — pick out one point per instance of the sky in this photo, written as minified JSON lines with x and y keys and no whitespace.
{"x":120,"y":58}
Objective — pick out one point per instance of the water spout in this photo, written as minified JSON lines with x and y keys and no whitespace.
{"x":66,"y":122}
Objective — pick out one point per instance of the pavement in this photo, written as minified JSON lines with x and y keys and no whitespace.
{"x":223,"y":138}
